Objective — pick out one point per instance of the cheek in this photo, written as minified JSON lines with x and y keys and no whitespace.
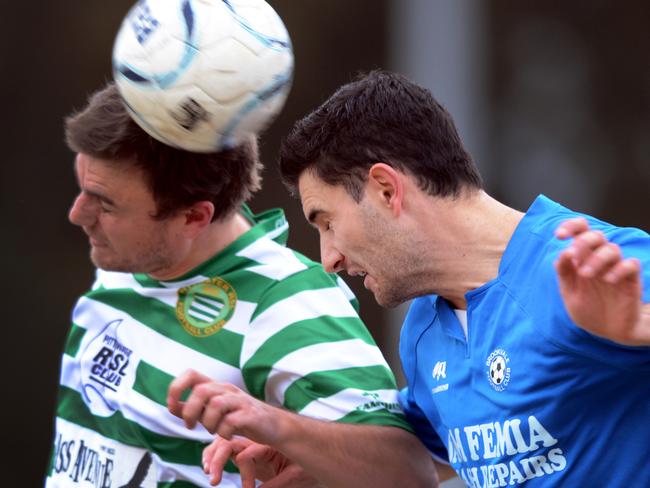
{"x":122,"y":234}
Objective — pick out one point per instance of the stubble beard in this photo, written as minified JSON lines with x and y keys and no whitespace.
{"x":149,"y":261}
{"x":393,"y":275}
{"x":396,"y":288}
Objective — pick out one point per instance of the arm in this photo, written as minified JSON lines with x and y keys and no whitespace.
{"x":258,"y":461}
{"x":336,"y":454}
{"x":601,"y":290}
{"x":445,"y":471}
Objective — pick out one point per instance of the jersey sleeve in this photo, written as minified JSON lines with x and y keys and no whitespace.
{"x":308,"y":351}
{"x":423,"y":428}
{"x":417,"y":319}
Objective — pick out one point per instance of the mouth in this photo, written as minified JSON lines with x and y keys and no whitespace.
{"x":95,"y":243}
{"x":364,"y":274}
{"x":356,"y":273}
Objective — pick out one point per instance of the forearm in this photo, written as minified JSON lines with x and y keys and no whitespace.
{"x":342,"y":455}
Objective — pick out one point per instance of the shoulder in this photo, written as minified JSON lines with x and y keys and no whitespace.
{"x":531,"y":279}
{"x":304,"y":281}
{"x":528,"y":261}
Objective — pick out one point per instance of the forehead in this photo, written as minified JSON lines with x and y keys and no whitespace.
{"x":117,"y":178}
{"x":320,"y":199}
{"x":313,"y":188}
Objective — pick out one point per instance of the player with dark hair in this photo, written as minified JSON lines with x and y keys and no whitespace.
{"x":191,"y":285}
{"x":526,"y":354}
{"x":526,"y":350}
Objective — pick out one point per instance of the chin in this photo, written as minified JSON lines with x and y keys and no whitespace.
{"x":388,"y":300}
{"x":108,"y":265}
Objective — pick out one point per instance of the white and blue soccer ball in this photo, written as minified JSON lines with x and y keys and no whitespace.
{"x":203,"y":74}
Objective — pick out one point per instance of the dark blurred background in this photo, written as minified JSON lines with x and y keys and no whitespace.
{"x":550,"y":97}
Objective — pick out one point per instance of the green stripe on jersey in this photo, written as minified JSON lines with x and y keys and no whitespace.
{"x":326,"y":383}
{"x":224,"y":345}
{"x":248,"y":285}
{"x":152,"y":383}
{"x":377,"y":417}
{"x":227,"y":260}
{"x":170,"y":449}
{"x":294,"y":337}
{"x":75,"y":336}
{"x":176,"y":484}
{"x":313,"y":278}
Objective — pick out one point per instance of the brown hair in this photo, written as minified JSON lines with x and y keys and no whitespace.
{"x":381,"y":117}
{"x":177,"y":178}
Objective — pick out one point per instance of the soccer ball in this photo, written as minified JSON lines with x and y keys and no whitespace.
{"x":497,"y":370}
{"x":202,"y":74}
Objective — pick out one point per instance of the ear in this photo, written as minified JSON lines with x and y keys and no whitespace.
{"x":197,"y":217}
{"x":387,"y":185}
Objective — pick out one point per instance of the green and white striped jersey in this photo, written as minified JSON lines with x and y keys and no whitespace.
{"x":257,"y":315}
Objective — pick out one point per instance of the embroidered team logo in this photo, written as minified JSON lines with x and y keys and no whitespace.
{"x":204,"y":308}
{"x":106,"y":364}
{"x":498,"y":371}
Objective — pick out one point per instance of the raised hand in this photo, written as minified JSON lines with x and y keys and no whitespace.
{"x":601,"y":289}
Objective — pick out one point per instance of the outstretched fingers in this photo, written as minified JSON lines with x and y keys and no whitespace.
{"x":571,"y":227}
{"x":255,"y":461}
{"x":250,"y":460}
{"x":626,"y":270}
{"x":185,"y":381}
{"x":591,"y":255}
{"x":216,"y":455}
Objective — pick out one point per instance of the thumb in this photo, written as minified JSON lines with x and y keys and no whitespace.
{"x":565,"y":267}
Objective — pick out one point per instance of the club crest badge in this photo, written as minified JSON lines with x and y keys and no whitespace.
{"x":204,"y":308}
{"x":497,"y":369}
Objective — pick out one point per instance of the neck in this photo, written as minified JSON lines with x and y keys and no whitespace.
{"x":211,"y":241}
{"x":470,"y":233}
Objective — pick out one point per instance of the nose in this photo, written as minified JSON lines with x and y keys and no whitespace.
{"x":330,"y":257}
{"x":83,"y":211}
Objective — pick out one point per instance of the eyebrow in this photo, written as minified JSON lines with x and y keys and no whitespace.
{"x":99,"y":196}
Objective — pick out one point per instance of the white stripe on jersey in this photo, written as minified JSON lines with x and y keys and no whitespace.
{"x":112,"y":280}
{"x":319,"y":357}
{"x":194,"y":474}
{"x":345,"y":401}
{"x":349,"y":294}
{"x":238,"y":323}
{"x":278,"y":231}
{"x":303,"y":305}
{"x":156,"y":418}
{"x":276,"y":261}
{"x":169,"y":356}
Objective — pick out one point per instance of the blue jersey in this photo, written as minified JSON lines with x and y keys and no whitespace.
{"x":529,"y":397}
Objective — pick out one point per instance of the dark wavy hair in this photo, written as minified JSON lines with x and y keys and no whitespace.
{"x":380,"y":117}
{"x":177,"y":178}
